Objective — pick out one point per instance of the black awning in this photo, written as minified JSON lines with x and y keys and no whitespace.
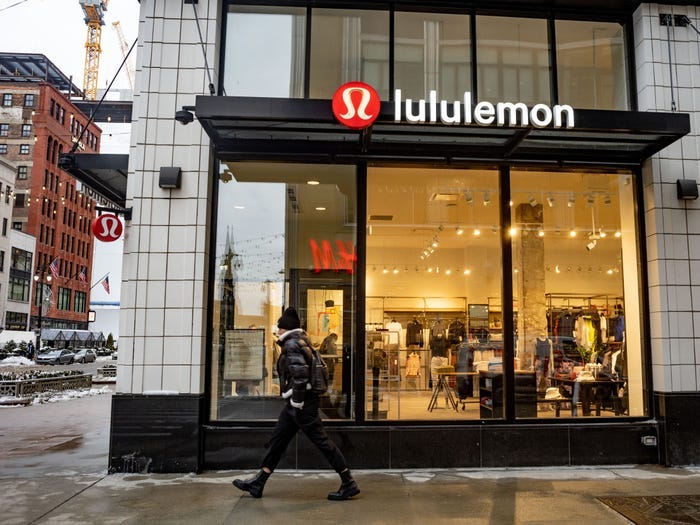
{"x":305,"y":129}
{"x":105,"y":174}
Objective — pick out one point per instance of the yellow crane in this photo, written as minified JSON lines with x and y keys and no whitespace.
{"x":125,"y":51}
{"x":94,"y":18}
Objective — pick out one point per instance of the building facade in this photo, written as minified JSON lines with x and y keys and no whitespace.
{"x":20,"y":276}
{"x":7,"y":179}
{"x":485,"y":214}
{"x":42,"y":123}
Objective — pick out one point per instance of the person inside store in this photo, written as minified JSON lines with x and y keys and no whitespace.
{"x":300,"y":412}
{"x":328,"y":350}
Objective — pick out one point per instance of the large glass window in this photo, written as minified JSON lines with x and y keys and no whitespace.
{"x":591,"y":65}
{"x":265,"y":52}
{"x":349,"y":45}
{"x":432,"y":51}
{"x":577,"y":295}
{"x":513,"y":59}
{"x":434,"y":334}
{"x":286,"y":236}
{"x":19,"y":289}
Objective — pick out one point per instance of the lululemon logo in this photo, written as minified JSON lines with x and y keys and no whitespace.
{"x":107,"y":228}
{"x":356,"y":105}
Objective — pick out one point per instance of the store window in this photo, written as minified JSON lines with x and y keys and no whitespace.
{"x":513,"y":60}
{"x":349,"y":45}
{"x":265,"y":51}
{"x":591,"y":65}
{"x":286,"y":236}
{"x":434,"y":334}
{"x":16,"y":321}
{"x":432,"y":51}
{"x":577,"y":295}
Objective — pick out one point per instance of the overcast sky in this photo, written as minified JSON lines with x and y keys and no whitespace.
{"x":56,"y":28}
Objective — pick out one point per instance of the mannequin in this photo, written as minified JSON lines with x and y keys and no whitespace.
{"x":544,"y":360}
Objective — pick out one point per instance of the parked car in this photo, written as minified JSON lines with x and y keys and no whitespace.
{"x":85,"y":355}
{"x":114,"y":354}
{"x":56,"y":357}
{"x":103,"y":350}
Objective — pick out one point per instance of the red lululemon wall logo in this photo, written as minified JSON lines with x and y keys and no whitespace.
{"x":107,"y":228}
{"x":356,"y":105}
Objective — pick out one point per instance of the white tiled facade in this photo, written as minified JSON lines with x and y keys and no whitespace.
{"x":672,"y":225}
{"x":163,"y":310}
{"x":163,"y":319}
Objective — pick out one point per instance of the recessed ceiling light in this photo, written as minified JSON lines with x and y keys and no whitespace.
{"x":320,"y":208}
{"x":239,"y":207}
{"x":312,"y":182}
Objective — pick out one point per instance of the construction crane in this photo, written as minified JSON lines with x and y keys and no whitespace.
{"x":94,"y":18}
{"x":125,"y":51}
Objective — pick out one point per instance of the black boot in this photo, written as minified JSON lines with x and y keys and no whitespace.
{"x":253,"y":486}
{"x":348,"y":488}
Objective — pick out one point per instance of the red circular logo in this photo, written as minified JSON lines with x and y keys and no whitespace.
{"x":356,"y":105}
{"x":107,"y":228}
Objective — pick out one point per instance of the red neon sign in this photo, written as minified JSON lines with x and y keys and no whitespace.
{"x":343,"y":259}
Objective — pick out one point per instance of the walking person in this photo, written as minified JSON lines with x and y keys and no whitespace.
{"x":300,"y":412}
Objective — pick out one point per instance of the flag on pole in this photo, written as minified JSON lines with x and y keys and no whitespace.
{"x":105,"y":283}
{"x":82,"y":275}
{"x":54,"y":268}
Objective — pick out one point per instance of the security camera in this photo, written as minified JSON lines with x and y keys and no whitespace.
{"x":591,"y":245}
{"x":184,"y":116}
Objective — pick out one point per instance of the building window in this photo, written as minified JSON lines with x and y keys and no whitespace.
{"x":3,"y":149}
{"x":4,"y":130}
{"x":2,"y":260}
{"x":591,"y":65}
{"x":348,"y":45}
{"x":7,"y":99}
{"x":16,"y":321}
{"x":26,"y":130}
{"x":79,"y":302}
{"x":4,"y":227}
{"x":21,"y":260}
{"x":24,"y":149}
{"x":19,"y":289}
{"x":17,"y":226}
{"x":299,"y":246}
{"x":22,"y":172}
{"x":432,"y":51}
{"x":8,"y":194}
{"x":515,"y":69}
{"x":254,"y":28}
{"x":29,"y":100}
{"x":63,"y":301}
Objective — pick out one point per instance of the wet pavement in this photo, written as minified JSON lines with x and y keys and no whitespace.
{"x":53,"y":471}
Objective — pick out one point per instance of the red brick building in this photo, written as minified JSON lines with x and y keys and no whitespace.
{"x":41,"y":123}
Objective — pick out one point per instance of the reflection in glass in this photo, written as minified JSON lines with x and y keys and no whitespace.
{"x":349,"y":45}
{"x":513,"y":60}
{"x":432,"y":51}
{"x":577,"y":296}
{"x":285,"y":237}
{"x":591,"y":65}
{"x":264,"y":52}
{"x":433,"y":339}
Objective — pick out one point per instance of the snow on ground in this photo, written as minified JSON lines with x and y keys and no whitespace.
{"x":17,"y":361}
{"x":56,"y":397}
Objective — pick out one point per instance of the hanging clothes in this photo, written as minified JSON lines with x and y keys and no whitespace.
{"x":414,"y":333}
{"x":456,"y":332}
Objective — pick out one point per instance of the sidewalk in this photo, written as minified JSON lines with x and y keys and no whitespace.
{"x":53,"y":471}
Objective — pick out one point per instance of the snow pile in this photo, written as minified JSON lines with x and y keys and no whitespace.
{"x":17,"y":361}
{"x":64,"y":395}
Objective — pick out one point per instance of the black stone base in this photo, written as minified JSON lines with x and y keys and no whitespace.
{"x":446,"y":446}
{"x":678,"y":415}
{"x":156,"y":433}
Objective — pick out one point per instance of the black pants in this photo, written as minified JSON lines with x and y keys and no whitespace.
{"x":289,"y":422}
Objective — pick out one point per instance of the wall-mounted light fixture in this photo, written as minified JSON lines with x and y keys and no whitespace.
{"x":170,"y":178}
{"x":687,"y":189}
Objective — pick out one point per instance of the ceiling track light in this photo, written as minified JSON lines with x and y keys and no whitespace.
{"x":550,"y":201}
{"x":487,"y":198}
{"x":469,"y":197}
{"x":532,"y":201}
{"x":572,"y":201}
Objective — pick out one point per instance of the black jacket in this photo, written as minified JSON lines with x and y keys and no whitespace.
{"x":293,"y":365}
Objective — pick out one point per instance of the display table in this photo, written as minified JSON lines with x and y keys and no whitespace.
{"x":443,"y":385}
{"x":588,"y":392}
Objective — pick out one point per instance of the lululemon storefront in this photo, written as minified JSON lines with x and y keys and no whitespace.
{"x":454,"y":201}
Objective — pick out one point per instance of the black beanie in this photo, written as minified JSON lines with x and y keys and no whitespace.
{"x":289,"y":320}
